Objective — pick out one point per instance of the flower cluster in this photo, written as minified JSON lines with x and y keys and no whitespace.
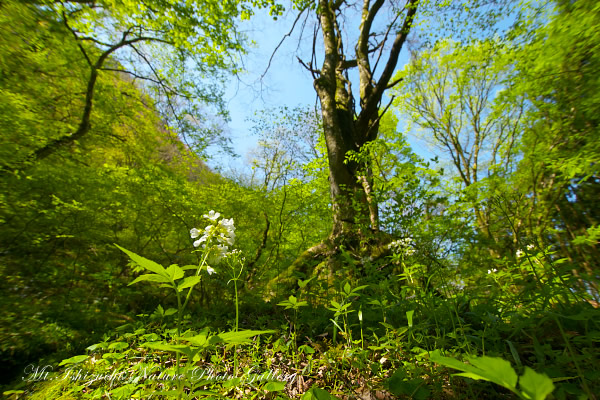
{"x":218,"y":236}
{"x":402,"y":246}
{"x":521,"y":253}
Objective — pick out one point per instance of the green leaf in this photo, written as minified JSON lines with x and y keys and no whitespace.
{"x":175,"y":272}
{"x":188,"y":282}
{"x":274,"y":386}
{"x":347,"y":288}
{"x":198,"y":340}
{"x":358,"y":289}
{"x":409,"y":316}
{"x":316,"y":393}
{"x":241,"y":336}
{"x":306,"y":349}
{"x":206,"y":393}
{"x":74,"y":360}
{"x":101,"y":345}
{"x":145,"y":263}
{"x":302,"y":284}
{"x":491,"y":369}
{"x":124,"y":391}
{"x":535,"y":386}
{"x":118,"y":346}
{"x":151,"y":278}
{"x":170,"y":311}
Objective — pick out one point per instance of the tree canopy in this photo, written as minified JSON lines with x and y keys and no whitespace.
{"x":345,"y":260}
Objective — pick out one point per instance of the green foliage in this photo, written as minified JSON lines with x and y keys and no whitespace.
{"x":498,"y":265}
{"x":532,"y":385}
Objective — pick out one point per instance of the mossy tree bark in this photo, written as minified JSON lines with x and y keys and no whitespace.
{"x":347,"y":127}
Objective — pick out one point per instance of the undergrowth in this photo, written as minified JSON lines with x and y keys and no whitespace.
{"x":522,"y":328}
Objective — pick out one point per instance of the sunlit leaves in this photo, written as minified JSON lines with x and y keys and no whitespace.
{"x":532,"y":385}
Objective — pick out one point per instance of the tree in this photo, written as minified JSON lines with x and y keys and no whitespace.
{"x":372,"y":47}
{"x":344,"y":129}
{"x":559,"y":174}
{"x":453,"y":93}
{"x":177,"y":49}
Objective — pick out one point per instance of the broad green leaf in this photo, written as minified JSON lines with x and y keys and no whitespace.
{"x":535,"y":386}
{"x":113,"y":356}
{"x":118,"y":346}
{"x":101,"y":345}
{"x":74,"y":360}
{"x":198,"y":340}
{"x":274,"y":386}
{"x":188,"y":282}
{"x":496,"y":370}
{"x":490,"y":369}
{"x":206,"y":393}
{"x":175,"y":272}
{"x":316,"y":393}
{"x":170,"y":311}
{"x":169,"y":347}
{"x":151,"y":278}
{"x":306,"y":349}
{"x":124,"y":391}
{"x":347,"y":288}
{"x":145,"y":263}
{"x":241,"y":336}
{"x":302,"y":284}
{"x":399,"y":385}
{"x":173,"y":394}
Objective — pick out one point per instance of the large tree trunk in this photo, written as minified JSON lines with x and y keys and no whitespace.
{"x":355,"y":210}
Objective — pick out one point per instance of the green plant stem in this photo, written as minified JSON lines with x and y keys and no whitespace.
{"x":180,"y":310}
{"x":573,"y":358}
{"x":237,"y":317}
{"x":237,"y":309}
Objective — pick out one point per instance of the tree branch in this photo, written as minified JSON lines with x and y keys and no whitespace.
{"x":281,"y":42}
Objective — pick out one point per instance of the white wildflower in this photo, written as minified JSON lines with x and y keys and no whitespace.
{"x":490,"y":271}
{"x":530,"y":247}
{"x":520,"y":253}
{"x":227,"y":224}
{"x":212,"y":215}
{"x":402,"y":246}
{"x":210,"y":270}
{"x":194,"y":233}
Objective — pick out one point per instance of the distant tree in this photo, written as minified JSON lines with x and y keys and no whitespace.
{"x":175,"y":49}
{"x":367,"y":37}
{"x":559,"y":174}
{"x":453,"y":94}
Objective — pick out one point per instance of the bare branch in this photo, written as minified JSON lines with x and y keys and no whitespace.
{"x":281,"y":42}
{"x":309,"y":67}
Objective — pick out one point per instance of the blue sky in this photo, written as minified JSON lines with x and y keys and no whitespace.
{"x":286,"y":83}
